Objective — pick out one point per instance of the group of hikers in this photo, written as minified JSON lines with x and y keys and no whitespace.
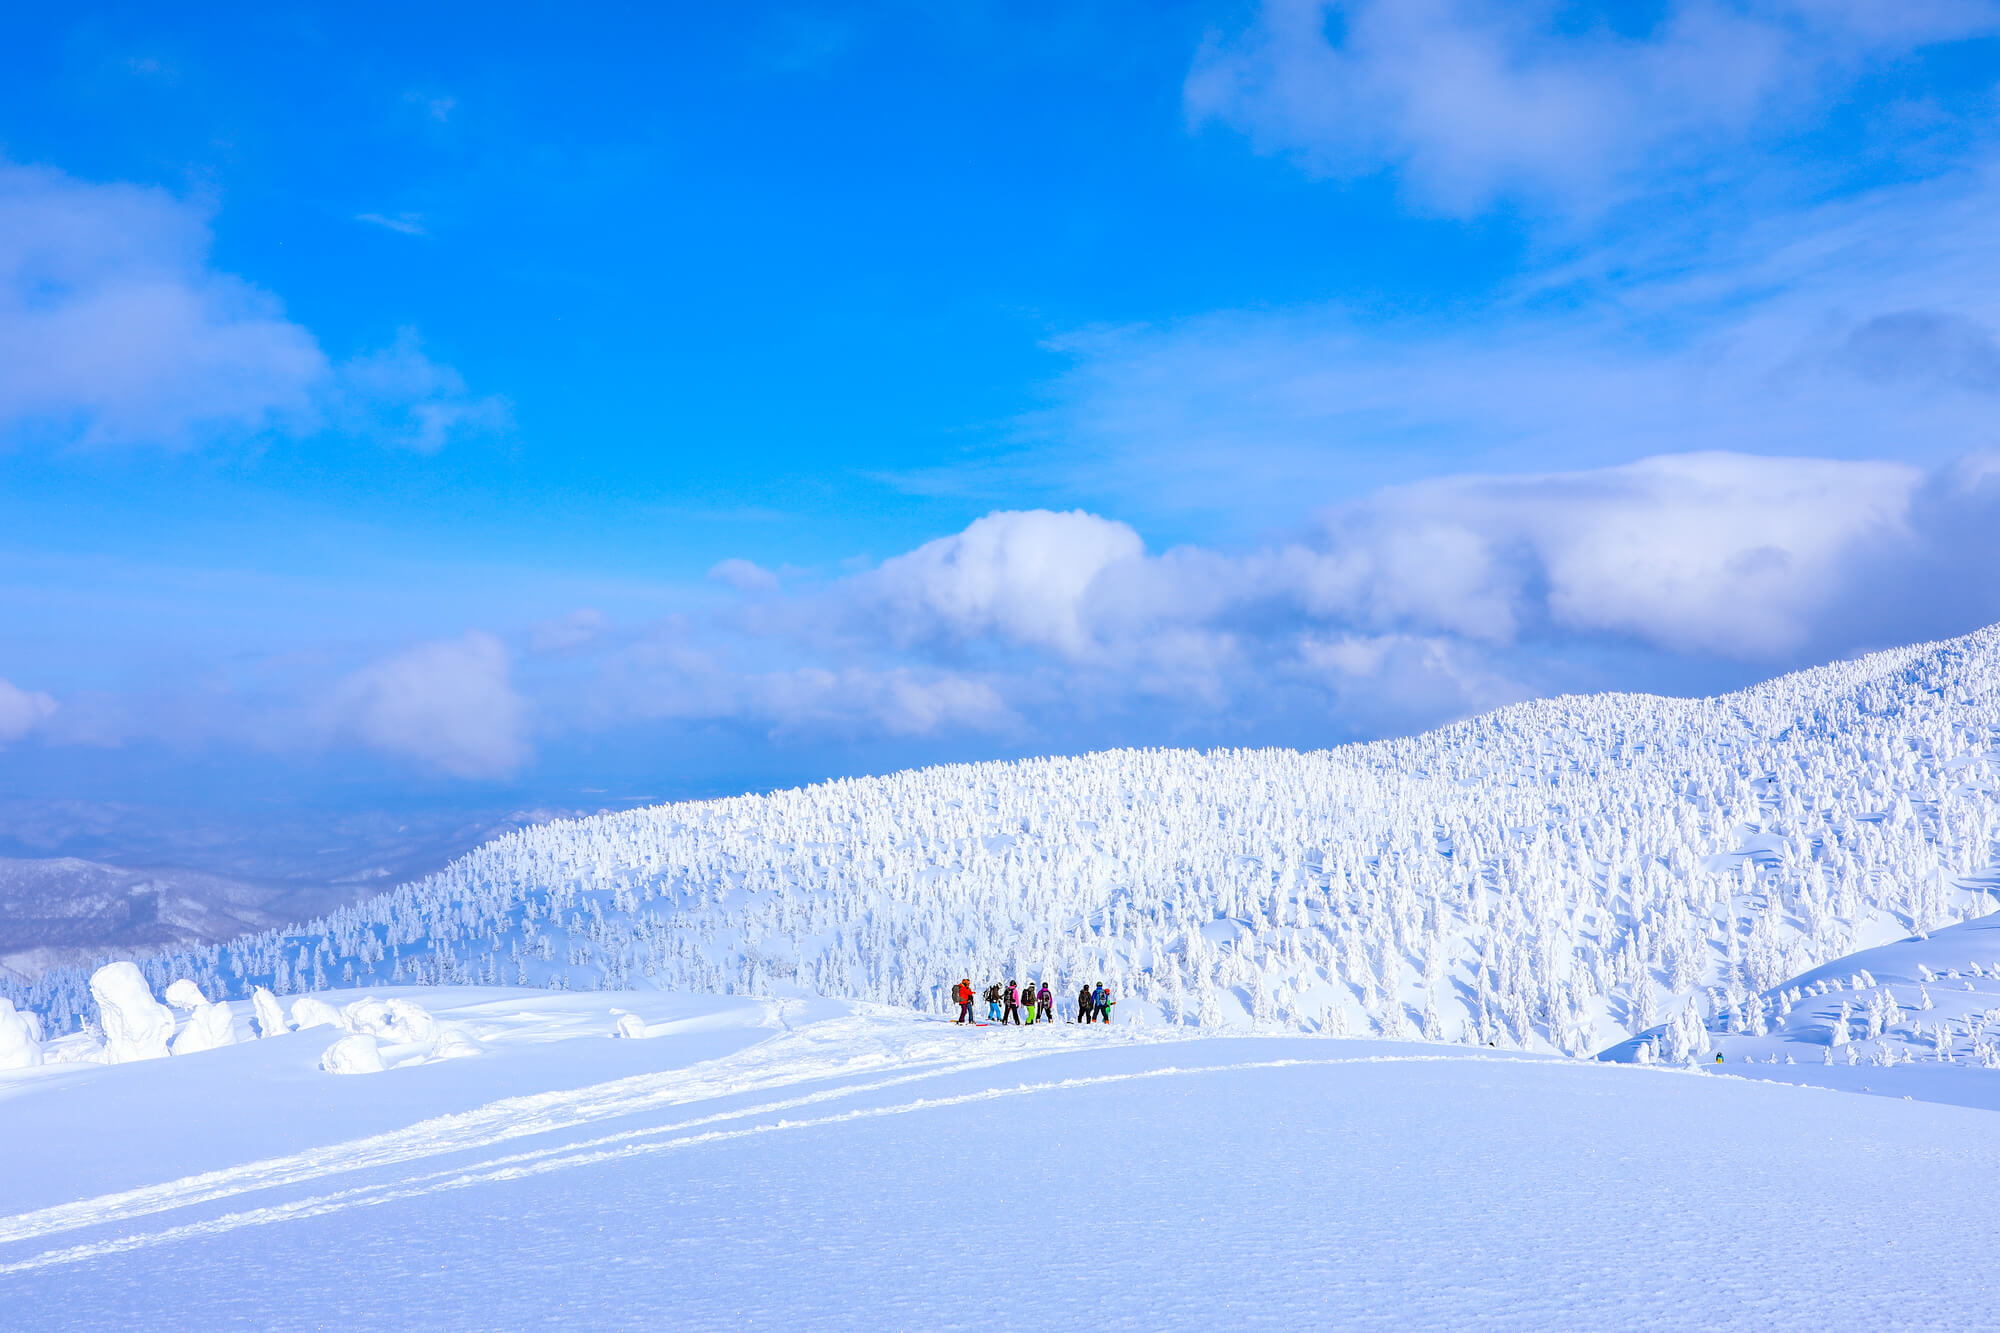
{"x":1014,"y":1003}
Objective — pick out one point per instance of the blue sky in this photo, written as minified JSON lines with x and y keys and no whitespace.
{"x":481,"y":408}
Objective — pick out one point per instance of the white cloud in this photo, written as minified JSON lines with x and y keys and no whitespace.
{"x":1714,"y":555}
{"x":448,"y":705}
{"x":744,"y":576}
{"x":22,"y":711}
{"x":1024,"y":575}
{"x":1697,"y":553}
{"x":402,"y":396}
{"x":1862,"y":329}
{"x":116,"y":330}
{"x":1471,"y":99}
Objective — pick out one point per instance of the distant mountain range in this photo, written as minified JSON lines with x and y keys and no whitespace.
{"x":71,"y":910}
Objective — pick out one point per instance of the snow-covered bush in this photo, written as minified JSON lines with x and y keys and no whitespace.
{"x":391,"y":1020}
{"x":20,"y":1037}
{"x":208,"y":1025}
{"x":136,"y":1026}
{"x":356,"y":1053}
{"x":271,"y":1020}
{"x":309,"y":1011}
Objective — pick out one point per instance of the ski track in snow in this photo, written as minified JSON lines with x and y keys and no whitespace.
{"x":510,"y":1119}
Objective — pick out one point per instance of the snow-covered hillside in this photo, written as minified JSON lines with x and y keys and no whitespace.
{"x":1556,"y":875}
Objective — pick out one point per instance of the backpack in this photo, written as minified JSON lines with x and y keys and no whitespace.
{"x":993,"y":993}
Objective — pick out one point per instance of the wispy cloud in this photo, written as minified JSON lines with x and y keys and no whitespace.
{"x":1470,"y":101}
{"x":117,"y":330}
{"x":409,"y":224}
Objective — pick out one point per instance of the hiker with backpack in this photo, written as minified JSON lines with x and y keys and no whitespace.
{"x":1102,"y":1002}
{"x":993,"y":1003}
{"x":962,"y":993}
{"x":1013,"y":1014}
{"x":1084,"y":1012}
{"x":1045,"y":1004}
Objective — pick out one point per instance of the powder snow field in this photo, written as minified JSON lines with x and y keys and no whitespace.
{"x":804,"y":1163}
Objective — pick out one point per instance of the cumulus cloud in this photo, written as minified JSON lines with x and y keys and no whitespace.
{"x":1473,"y":99}
{"x":1023,"y":575}
{"x":449,"y":705}
{"x":1697,"y":553}
{"x":1710,"y":555}
{"x":22,"y":711}
{"x":115,"y":329}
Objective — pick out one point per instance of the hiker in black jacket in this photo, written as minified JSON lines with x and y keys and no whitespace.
{"x":1085,"y":1011}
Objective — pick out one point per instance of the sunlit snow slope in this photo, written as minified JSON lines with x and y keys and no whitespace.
{"x":813,"y":1164}
{"x":1556,"y":875}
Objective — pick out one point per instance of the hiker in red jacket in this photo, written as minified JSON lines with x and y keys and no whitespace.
{"x":962,"y":992}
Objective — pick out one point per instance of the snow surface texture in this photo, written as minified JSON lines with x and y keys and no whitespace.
{"x":1559,"y":875}
{"x":730,"y":1172}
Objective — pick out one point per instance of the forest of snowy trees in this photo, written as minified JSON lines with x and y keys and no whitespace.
{"x":1557,"y":875}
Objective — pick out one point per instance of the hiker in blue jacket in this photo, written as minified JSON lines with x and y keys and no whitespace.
{"x":1101,"y":1001}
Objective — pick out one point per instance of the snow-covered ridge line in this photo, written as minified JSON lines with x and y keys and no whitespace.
{"x":1557,"y":874}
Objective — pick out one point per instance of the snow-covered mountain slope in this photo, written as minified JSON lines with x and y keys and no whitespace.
{"x":1555,"y":875}
{"x":1919,"y":1018}
{"x":803,"y":1163}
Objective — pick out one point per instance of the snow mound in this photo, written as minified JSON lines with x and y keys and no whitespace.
{"x":184,"y":994}
{"x":309,"y":1011}
{"x":358,"y":1053}
{"x":208,"y":1026}
{"x":391,"y":1020}
{"x":20,"y":1037}
{"x":136,"y":1026}
{"x":270,"y":1016}
{"x":453,"y":1045}
{"x":629,"y":1025}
